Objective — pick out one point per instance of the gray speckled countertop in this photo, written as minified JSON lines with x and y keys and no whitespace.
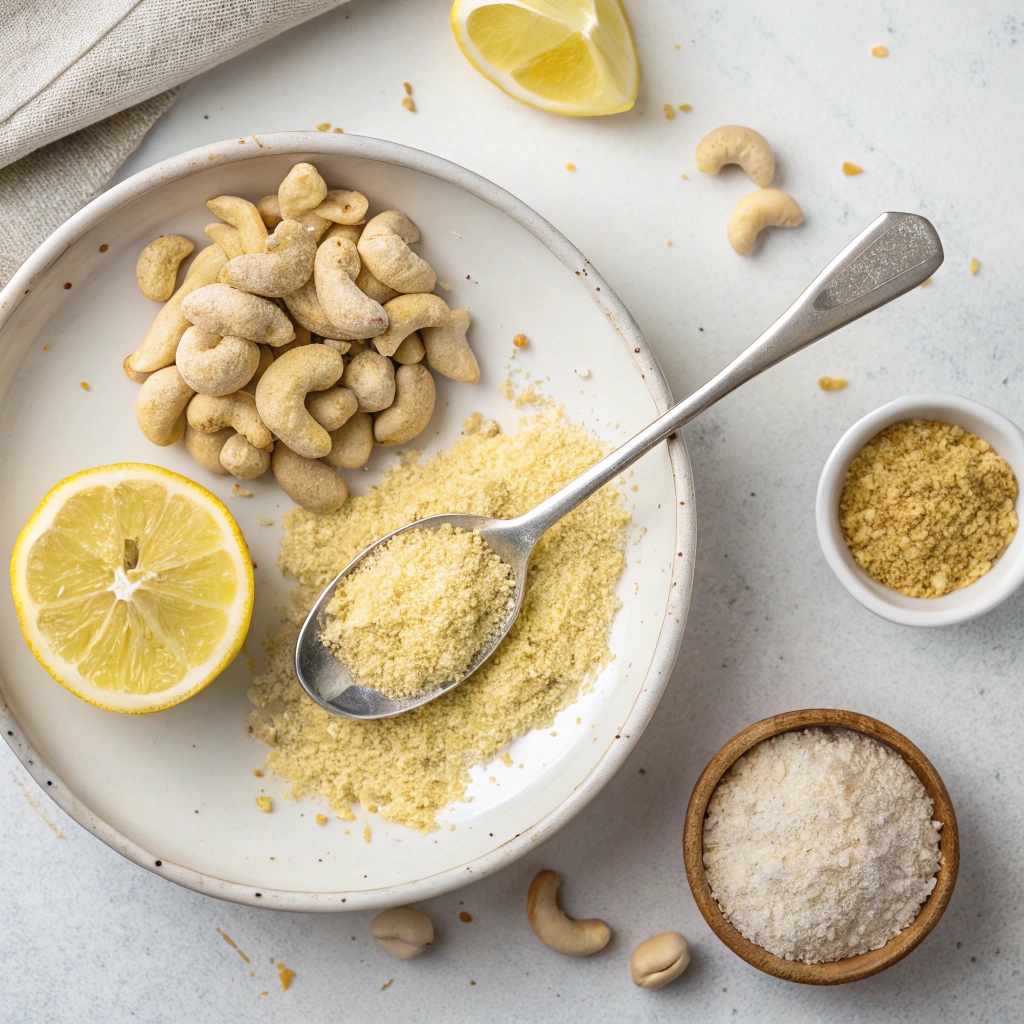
{"x":88,"y":937}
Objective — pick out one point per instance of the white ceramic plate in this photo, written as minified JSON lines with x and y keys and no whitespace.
{"x":174,"y":791}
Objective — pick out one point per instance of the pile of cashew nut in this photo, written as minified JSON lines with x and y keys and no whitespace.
{"x":767,"y":207}
{"x":299,"y":338}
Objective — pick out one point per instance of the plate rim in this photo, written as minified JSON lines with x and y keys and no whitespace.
{"x":666,"y":649}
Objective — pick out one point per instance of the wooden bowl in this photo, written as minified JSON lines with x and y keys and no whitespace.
{"x":855,"y":967}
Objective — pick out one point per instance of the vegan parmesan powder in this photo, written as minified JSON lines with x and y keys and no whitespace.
{"x":819,"y":844}
{"x":409,"y":768}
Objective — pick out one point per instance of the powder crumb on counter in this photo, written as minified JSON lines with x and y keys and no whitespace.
{"x":570,"y":167}
{"x":241,"y":492}
{"x":231,"y":942}
{"x":414,"y":765}
{"x":974,"y":266}
{"x":263,"y":521}
{"x":506,"y":760}
{"x":286,"y":976}
{"x":367,"y":834}
{"x":851,"y":169}
{"x":84,"y":385}
{"x":831,"y":383}
{"x":46,"y":348}
{"x":338,"y":131}
{"x":265,"y":804}
{"x":924,"y":284}
{"x":686,"y":107}
{"x":926,"y":507}
{"x":670,"y":112}
{"x":409,"y":104}
{"x":324,"y":126}
{"x":387,"y":984}
{"x":321,"y":819}
{"x":258,"y":773}
{"x":879,"y":51}
{"x":408,"y":88}
{"x":820,"y":845}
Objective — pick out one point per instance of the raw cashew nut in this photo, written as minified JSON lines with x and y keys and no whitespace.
{"x":270,"y":211}
{"x":304,"y":306}
{"x":212,"y":365}
{"x":408,"y":313}
{"x":659,"y":960}
{"x":335,"y":270}
{"x":302,"y":189}
{"x":331,"y":408}
{"x":448,"y":352}
{"x":266,"y":358}
{"x":227,"y":237}
{"x":209,"y":413}
{"x":283,"y":266}
{"x":205,"y":448}
{"x":766,"y":208}
{"x":341,"y":347}
{"x":734,"y":144}
{"x":242,"y":459}
{"x":160,"y":407}
{"x":410,"y":413}
{"x":281,"y":395}
{"x":404,"y":932}
{"x":158,"y":346}
{"x":221,"y":309}
{"x":372,"y":378}
{"x":384,"y":248}
{"x":241,"y":214}
{"x":369,"y":285}
{"x":351,"y":443}
{"x":157,"y":267}
{"x":343,"y":207}
{"x":350,"y":231}
{"x":308,"y":482}
{"x":411,"y":350}
{"x":131,"y":374}
{"x":554,"y":928}
{"x":303,"y":336}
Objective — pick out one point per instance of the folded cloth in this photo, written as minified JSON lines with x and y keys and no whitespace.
{"x":95,"y":76}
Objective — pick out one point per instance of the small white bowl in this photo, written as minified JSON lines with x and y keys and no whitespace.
{"x":982,"y":596}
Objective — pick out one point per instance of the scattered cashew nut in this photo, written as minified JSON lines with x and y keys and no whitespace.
{"x":205,"y":448}
{"x":331,"y":408}
{"x":408,"y":313}
{"x":212,"y":365}
{"x":767,"y":207}
{"x":281,"y":394}
{"x":335,"y":270}
{"x":209,"y":413}
{"x":734,"y":144}
{"x":447,"y":350}
{"x":283,"y":266}
{"x":302,"y":189}
{"x":160,"y":406}
{"x":371,"y":377}
{"x":351,"y":443}
{"x":308,"y":482}
{"x":343,"y":207}
{"x":551,"y":925}
{"x":227,"y":237}
{"x":404,"y":932}
{"x":411,"y":350}
{"x":659,"y":960}
{"x":384,"y":248}
{"x":241,"y":214}
{"x":221,"y":309}
{"x":157,"y":266}
{"x":412,"y":408}
{"x":242,"y":459}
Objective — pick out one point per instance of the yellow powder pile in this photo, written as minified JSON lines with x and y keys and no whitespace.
{"x":926,"y":507}
{"x":416,"y":611}
{"x":412,"y":766}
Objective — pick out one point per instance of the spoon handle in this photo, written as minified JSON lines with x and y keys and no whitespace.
{"x":892,"y":255}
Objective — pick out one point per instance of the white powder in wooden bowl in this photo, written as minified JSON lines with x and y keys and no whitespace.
{"x":820,"y":845}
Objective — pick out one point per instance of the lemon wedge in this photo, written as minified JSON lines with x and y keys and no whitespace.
{"x":133,"y":586}
{"x":563,"y":56}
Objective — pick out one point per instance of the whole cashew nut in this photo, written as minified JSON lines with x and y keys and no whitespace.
{"x":371,"y":377}
{"x":369,"y":285}
{"x":659,"y":960}
{"x":131,"y":374}
{"x":157,"y":266}
{"x":302,"y":189}
{"x":335,"y":270}
{"x":411,"y":350}
{"x":412,"y":408}
{"x":768,"y":207}
{"x":734,"y":144}
{"x":447,"y":350}
{"x":384,"y":248}
{"x":160,"y":407}
{"x":554,"y":928}
{"x":408,"y":313}
{"x":351,"y":443}
{"x":160,"y":342}
{"x":211,"y":365}
{"x":221,"y":309}
{"x":227,"y":237}
{"x":241,"y":214}
{"x":266,"y":358}
{"x":350,"y":231}
{"x":331,"y":408}
{"x":305,"y":308}
{"x":404,"y":932}
{"x":210,"y":413}
{"x":308,"y":482}
{"x":205,"y":448}
{"x":343,"y":207}
{"x":270,"y":212}
{"x":281,"y":394}
{"x":242,"y":459}
{"x":283,"y":266}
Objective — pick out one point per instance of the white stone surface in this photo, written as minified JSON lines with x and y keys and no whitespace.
{"x":88,"y":937}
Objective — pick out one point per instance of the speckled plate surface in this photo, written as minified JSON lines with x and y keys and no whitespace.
{"x":174,"y":791}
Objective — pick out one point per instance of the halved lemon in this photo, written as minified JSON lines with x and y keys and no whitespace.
{"x":564,"y":56}
{"x":133,"y":586}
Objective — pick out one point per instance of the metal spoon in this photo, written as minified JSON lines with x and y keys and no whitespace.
{"x":894,"y":254}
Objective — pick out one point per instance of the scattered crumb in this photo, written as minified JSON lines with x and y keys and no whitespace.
{"x":519,"y":341}
{"x":346,"y":814}
{"x":583,"y":374}
{"x":324,"y":126}
{"x":286,"y":976}
{"x":84,"y":385}
{"x":447,"y":287}
{"x":67,"y":285}
{"x":46,"y":348}
{"x":831,"y":383}
{"x":231,"y":942}
{"x":506,"y":760}
{"x":554,"y":732}
{"x":104,"y":247}
{"x":670,"y":112}
{"x":367,"y":834}
{"x":925,"y":283}
{"x":974,"y":266}
{"x":258,"y":772}
{"x":685,"y":177}
{"x":851,"y":169}
{"x":407,"y":102}
{"x":321,"y":819}
{"x":465,"y":916}
{"x":262,"y":994}
{"x":686,"y":107}
{"x":879,"y":51}
{"x":387,"y":984}
{"x":264,"y":804}
{"x":568,"y":167}
{"x":338,"y":131}
{"x":668,"y":241}
{"x":678,"y":46}
{"x":408,"y":88}
{"x":241,"y":492}
{"x":262,"y":521}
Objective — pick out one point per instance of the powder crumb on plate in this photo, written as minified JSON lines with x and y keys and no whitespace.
{"x":324,"y":126}
{"x":506,"y":760}
{"x":831,"y":383}
{"x":409,"y":104}
{"x":974,"y":266}
{"x":258,"y":773}
{"x":924,"y":284}
{"x":670,"y":112}
{"x":321,"y":819}
{"x":241,"y":492}
{"x":367,"y":834}
{"x":570,"y":167}
{"x":262,"y":521}
{"x":264,"y":804}
{"x":84,"y":385}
